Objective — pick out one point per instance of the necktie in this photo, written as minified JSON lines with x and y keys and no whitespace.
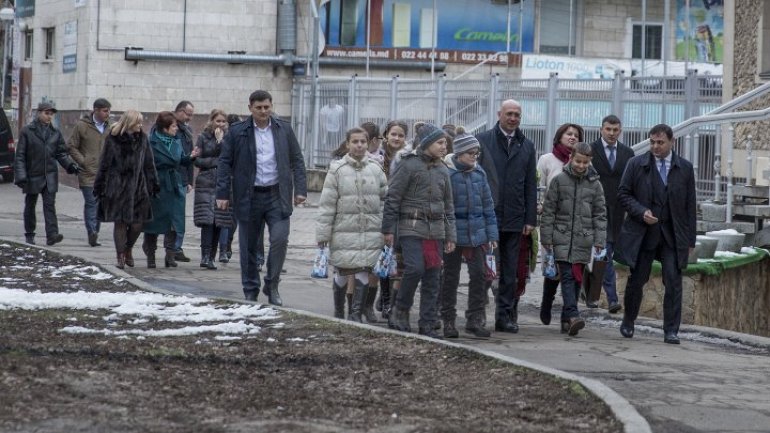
{"x":663,"y":172}
{"x":510,"y":140}
{"x":612,"y":156}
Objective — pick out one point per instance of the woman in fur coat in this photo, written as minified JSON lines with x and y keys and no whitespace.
{"x":124,"y":182}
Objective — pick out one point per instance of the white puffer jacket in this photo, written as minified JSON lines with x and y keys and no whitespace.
{"x":350,"y":220}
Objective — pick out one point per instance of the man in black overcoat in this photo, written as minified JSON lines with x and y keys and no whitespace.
{"x":610,"y":159}
{"x":658,"y":193}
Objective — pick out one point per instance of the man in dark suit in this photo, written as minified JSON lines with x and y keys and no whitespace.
{"x":610,"y":159}
{"x":263,"y":158}
{"x":508,"y":158}
{"x":658,"y":193}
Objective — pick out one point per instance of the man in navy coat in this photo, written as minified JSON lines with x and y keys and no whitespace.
{"x":508,"y":158}
{"x":264,"y":160}
{"x":658,"y":193}
{"x":610,"y":159}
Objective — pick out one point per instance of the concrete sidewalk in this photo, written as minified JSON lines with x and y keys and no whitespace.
{"x":721,"y":384}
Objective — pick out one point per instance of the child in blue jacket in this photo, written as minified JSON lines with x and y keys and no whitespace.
{"x":476,"y":235}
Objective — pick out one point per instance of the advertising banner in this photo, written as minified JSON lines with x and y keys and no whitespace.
{"x":70,"y":47}
{"x":461,"y":32}
{"x":700,"y":34}
{"x":537,"y":66}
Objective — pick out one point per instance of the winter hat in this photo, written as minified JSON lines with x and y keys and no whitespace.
{"x":464,"y":142}
{"x":427,"y":134}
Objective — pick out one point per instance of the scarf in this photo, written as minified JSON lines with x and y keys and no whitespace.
{"x":167,"y":140}
{"x":561,"y":152}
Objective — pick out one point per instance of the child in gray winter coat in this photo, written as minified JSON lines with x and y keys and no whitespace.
{"x":573,"y":226}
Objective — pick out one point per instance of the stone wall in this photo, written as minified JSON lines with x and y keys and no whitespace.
{"x":738,"y":299}
{"x":748,"y":18}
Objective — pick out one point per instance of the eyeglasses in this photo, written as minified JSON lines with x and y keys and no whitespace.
{"x":473,"y":153}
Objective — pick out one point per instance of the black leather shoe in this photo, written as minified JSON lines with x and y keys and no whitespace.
{"x":627,"y":329}
{"x":590,"y":304}
{"x":614,"y":308}
{"x":505,"y":325}
{"x":93,"y":240}
{"x":55,"y":239}
{"x":251,"y":295}
{"x":180,"y":257}
{"x":671,"y":338}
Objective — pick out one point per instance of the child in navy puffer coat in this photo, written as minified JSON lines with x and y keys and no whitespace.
{"x":476,"y":235}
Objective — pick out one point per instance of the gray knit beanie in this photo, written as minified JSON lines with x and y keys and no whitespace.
{"x":464,"y":142}
{"x":427,"y":134}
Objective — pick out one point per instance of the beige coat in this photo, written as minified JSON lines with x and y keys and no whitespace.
{"x":351,"y":212}
{"x":85,"y":148}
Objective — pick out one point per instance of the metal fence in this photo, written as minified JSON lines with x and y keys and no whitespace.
{"x":640,"y":102}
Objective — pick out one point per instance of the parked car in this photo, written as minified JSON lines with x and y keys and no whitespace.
{"x":7,"y":148}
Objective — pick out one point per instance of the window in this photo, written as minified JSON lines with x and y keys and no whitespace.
{"x":653,"y":42}
{"x":49,"y":42}
{"x":763,"y":60}
{"x":28,"y":42}
{"x":558,"y":28}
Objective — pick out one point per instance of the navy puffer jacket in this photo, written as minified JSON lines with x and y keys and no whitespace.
{"x":474,"y":208}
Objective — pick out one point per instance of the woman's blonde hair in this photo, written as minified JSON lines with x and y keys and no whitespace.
{"x":128,"y":119}
{"x":214,"y":114}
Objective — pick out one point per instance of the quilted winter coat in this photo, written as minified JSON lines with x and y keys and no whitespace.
{"x":206,"y":181}
{"x":574,"y":216}
{"x":474,"y":208}
{"x":419,"y":201}
{"x":351,"y":212}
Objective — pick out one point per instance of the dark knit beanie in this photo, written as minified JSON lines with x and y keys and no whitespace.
{"x":464,"y":142}
{"x":427,"y":134}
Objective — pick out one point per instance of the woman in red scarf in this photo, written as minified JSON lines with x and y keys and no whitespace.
{"x":548,"y":167}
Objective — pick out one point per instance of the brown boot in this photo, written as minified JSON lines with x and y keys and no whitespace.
{"x":129,"y":258}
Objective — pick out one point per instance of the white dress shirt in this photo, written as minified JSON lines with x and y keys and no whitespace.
{"x":267,"y":166}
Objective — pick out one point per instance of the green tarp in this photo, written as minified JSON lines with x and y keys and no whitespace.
{"x":718,"y":264}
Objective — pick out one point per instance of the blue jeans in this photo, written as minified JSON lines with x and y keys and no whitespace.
{"x":609,"y":276}
{"x":89,"y":209}
{"x":569,"y":292}
{"x":179,"y":241}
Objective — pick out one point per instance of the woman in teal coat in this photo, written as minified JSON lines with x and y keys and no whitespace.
{"x":168,"y":206}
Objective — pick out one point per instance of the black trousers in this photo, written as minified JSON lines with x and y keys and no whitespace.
{"x":477,"y":294}
{"x":49,"y":213}
{"x":509,"y":265}
{"x":672,"y":281}
{"x":151,"y":241}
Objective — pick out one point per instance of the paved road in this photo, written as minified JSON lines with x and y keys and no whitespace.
{"x":704,"y":385}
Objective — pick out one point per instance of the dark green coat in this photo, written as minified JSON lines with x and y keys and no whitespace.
{"x":168,"y":207}
{"x":574,"y":216}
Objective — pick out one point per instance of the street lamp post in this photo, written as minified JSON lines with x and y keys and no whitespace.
{"x":6,"y":16}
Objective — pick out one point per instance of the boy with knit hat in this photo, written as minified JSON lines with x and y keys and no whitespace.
{"x":476,"y":225}
{"x":420,"y":212}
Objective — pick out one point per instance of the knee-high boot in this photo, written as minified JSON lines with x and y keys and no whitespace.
{"x":368,"y":308}
{"x":338,"y":292}
{"x":359,"y":294}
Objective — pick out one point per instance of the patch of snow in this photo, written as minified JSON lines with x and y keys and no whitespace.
{"x":725,"y":231}
{"x":220,"y":328}
{"x":296,"y":339}
{"x":226,"y":337}
{"x":726,"y":254}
